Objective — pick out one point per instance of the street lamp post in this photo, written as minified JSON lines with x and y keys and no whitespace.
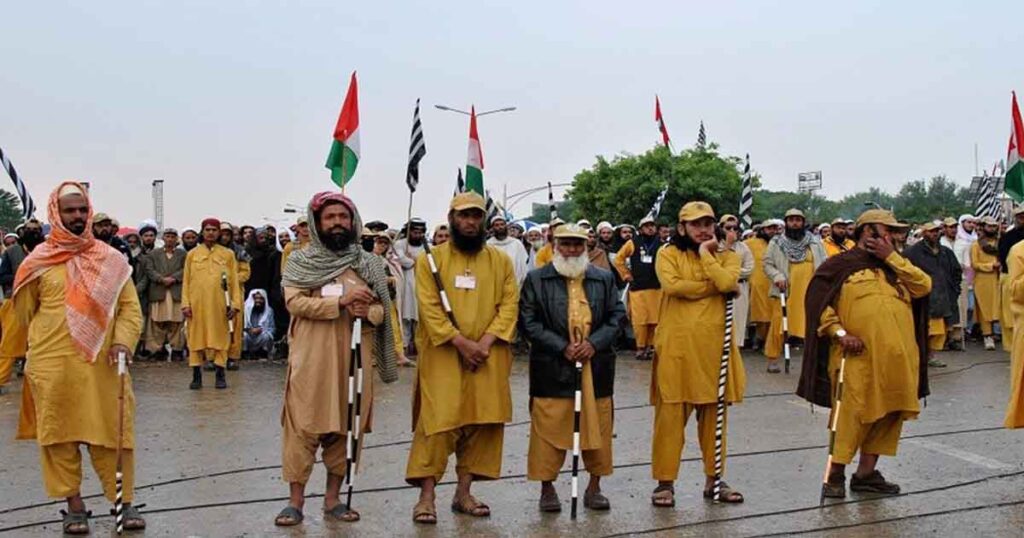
{"x":478,"y":114}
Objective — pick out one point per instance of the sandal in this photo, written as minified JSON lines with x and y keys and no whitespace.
{"x":132,"y":518}
{"x":664,"y":496}
{"x":550,"y":503}
{"x":475,"y":508}
{"x":341,"y":512}
{"x":835,"y":488}
{"x":424,"y":513}
{"x":596,"y":501}
{"x":873,"y":483}
{"x":75,"y":522}
{"x":727,"y":494}
{"x":289,"y":517}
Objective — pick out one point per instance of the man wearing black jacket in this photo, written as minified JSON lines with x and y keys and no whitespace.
{"x":570,"y":312}
{"x":941,"y":264}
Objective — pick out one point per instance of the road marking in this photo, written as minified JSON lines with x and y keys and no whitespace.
{"x":969,"y":457}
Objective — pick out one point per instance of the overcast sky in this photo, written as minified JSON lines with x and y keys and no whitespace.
{"x":234,"y":103}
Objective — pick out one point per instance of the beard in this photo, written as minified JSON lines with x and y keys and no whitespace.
{"x":761,"y":234}
{"x":500,"y":236}
{"x":367,"y":244}
{"x":796,"y":234}
{"x":31,"y":239}
{"x":538,"y":244}
{"x":103,"y":236}
{"x":336,"y":239}
{"x":258,"y":309}
{"x":573,"y":267}
{"x":416,"y":241}
{"x":683,"y":242}
{"x":839,"y":237}
{"x":467,"y":243}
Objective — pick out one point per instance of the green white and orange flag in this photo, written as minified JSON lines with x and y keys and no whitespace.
{"x":1015,"y":154}
{"x":475,"y":159}
{"x":344,"y":156}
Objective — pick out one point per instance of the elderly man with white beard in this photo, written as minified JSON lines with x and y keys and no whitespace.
{"x":570,"y":311}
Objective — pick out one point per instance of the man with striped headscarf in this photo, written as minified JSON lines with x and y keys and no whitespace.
{"x":327,"y":286}
{"x":74,"y":309}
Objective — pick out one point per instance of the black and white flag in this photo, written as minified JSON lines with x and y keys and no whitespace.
{"x":747,"y":197}
{"x":417,"y":149}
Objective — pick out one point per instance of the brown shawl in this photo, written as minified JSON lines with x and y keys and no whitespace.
{"x":815,"y":385}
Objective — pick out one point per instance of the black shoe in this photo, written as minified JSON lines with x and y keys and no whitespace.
{"x":19,"y":367}
{"x":222,"y":382}
{"x":232,"y":365}
{"x":835,"y":488}
{"x":197,"y":378}
{"x":873,"y":483}
{"x":177,"y":356}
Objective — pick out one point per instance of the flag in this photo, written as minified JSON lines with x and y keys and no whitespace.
{"x":661,"y":122}
{"x":27,"y":205}
{"x":417,"y":149}
{"x":1015,"y":154}
{"x":702,"y":137}
{"x":987,"y":202}
{"x":656,"y":208}
{"x":553,"y":209}
{"x":747,"y":197}
{"x":344,"y":154}
{"x":460,"y":184}
{"x":475,"y":159}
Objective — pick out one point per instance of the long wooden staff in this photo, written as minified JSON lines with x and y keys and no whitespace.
{"x":833,"y":427}
{"x":355,"y":399}
{"x":122,"y":369}
{"x":785,"y":331}
{"x":577,"y":407}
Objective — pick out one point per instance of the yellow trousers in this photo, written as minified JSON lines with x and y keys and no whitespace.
{"x":477,"y":449}
{"x":544,"y":460}
{"x":62,"y":470}
{"x":880,"y":437}
{"x":936,"y":334}
{"x":670,"y":436}
{"x":644,"y":333}
{"x":298,"y":453}
{"x":218,"y":356}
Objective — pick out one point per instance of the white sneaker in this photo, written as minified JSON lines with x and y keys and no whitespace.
{"x":990,"y":344}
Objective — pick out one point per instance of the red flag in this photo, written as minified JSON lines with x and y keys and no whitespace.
{"x":661,"y":121}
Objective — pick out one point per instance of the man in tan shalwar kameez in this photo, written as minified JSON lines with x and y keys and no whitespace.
{"x":462,"y":398}
{"x":557,"y":315}
{"x":327,"y":286}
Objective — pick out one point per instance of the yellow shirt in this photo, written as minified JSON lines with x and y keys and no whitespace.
{"x":202,"y":292}
{"x":484,"y":297}
{"x":986,"y":283}
{"x":760,"y":308}
{"x":1015,"y":406}
{"x":544,"y":256}
{"x":287,"y":250}
{"x":832,"y":248}
{"x":65,"y":398}
{"x":883,"y":378}
{"x":688,"y":342}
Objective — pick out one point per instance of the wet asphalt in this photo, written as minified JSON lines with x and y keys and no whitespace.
{"x":207,"y":464}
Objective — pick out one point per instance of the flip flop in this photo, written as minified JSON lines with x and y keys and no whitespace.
{"x":342,"y":512}
{"x":459,"y":507}
{"x":76,"y":523}
{"x":728,"y":495}
{"x":133,"y":519}
{"x":664,"y":501}
{"x":424,"y":513}
{"x":294,"y":517}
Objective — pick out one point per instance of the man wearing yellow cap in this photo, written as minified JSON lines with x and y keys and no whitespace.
{"x":985,"y":261}
{"x":203,"y":304}
{"x":546,"y":253}
{"x":1006,"y":242}
{"x":462,"y":398}
{"x":301,"y":237}
{"x":696,"y":280}
{"x":837,"y":242}
{"x":865,"y":305}
{"x":635,"y":263}
{"x":570,"y":311}
{"x":760,"y":305}
{"x":790,"y":262}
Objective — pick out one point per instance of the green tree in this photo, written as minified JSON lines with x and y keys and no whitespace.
{"x":623,"y":189}
{"x":541,"y":212}
{"x":919,"y":201}
{"x":774,"y":204}
{"x":10,"y":210}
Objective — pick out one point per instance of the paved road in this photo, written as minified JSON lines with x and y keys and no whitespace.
{"x":208,"y":465}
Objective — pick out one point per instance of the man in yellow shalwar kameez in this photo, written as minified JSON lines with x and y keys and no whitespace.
{"x":73,"y":311}
{"x":870,"y":305}
{"x":301,"y":237}
{"x":790,"y":262}
{"x":207,"y":267}
{"x":547,"y":253}
{"x":760,"y":305}
{"x":556,"y":314}
{"x":327,"y":286}
{"x":635,"y":263}
{"x":696,"y":279}
{"x":244,"y":268}
{"x":985,"y":261}
{"x":1015,"y":406}
{"x":462,"y":398}
{"x":1006,"y":242}
{"x":837,"y":243}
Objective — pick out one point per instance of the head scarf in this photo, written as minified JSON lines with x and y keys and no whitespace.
{"x":317,"y":265}
{"x":96,"y":273}
{"x":962,"y":234}
{"x":266,"y":319}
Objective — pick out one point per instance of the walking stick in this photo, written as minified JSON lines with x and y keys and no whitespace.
{"x":832,"y":427}
{"x":355,"y":390}
{"x":723,"y":373}
{"x":577,"y":407}
{"x":785,"y":331}
{"x":122,"y":369}
{"x":227,"y":299}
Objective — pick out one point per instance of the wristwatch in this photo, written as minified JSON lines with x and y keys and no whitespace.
{"x":840,"y":333}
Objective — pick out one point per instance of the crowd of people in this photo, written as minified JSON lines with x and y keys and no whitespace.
{"x":455,"y":303}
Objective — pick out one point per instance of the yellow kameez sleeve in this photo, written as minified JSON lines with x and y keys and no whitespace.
{"x":1016,"y":268}
{"x":620,"y":260}
{"x":672,"y":282}
{"x":918,"y":282}
{"x":433,"y":319}
{"x":976,"y":254}
{"x":503,"y":326}
{"x":186,"y":279}
{"x":301,"y":304}
{"x":15,"y":316}
{"x":244,"y":272}
{"x":233,"y":286}
{"x":127,"y":317}
{"x":285,"y":252}
{"x":723,"y":269}
{"x":829,"y":322}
